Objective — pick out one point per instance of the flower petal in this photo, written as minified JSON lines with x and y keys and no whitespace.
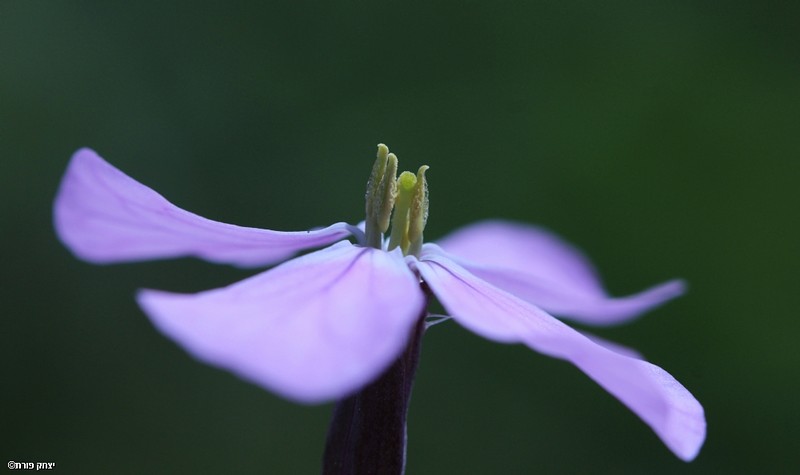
{"x":104,"y":216}
{"x":539,"y":267}
{"x":613,"y":346}
{"x":313,"y":329}
{"x":650,"y":392}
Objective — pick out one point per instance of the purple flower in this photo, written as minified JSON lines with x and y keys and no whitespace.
{"x":323,"y":325}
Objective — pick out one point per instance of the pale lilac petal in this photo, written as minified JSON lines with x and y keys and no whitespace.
{"x":523,"y":248}
{"x":587,"y":308}
{"x":613,"y":346}
{"x":537,"y":266}
{"x":313,"y":329}
{"x":650,"y":392}
{"x":104,"y":216}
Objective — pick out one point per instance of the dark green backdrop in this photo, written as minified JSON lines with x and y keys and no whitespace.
{"x":660,"y":137}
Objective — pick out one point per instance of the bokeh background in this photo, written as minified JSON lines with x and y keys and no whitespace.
{"x":661,"y":137}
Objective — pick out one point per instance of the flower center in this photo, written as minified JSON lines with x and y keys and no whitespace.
{"x":407,"y":195}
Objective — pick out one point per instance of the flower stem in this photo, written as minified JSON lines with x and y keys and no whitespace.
{"x":367,"y":434}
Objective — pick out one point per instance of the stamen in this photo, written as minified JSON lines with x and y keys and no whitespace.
{"x":380,"y":196}
{"x":418,"y":215}
{"x":407,"y":195}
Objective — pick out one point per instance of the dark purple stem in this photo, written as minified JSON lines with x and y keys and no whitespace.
{"x":367,"y":434}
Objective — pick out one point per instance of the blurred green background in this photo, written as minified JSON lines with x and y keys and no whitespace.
{"x":660,"y":137}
